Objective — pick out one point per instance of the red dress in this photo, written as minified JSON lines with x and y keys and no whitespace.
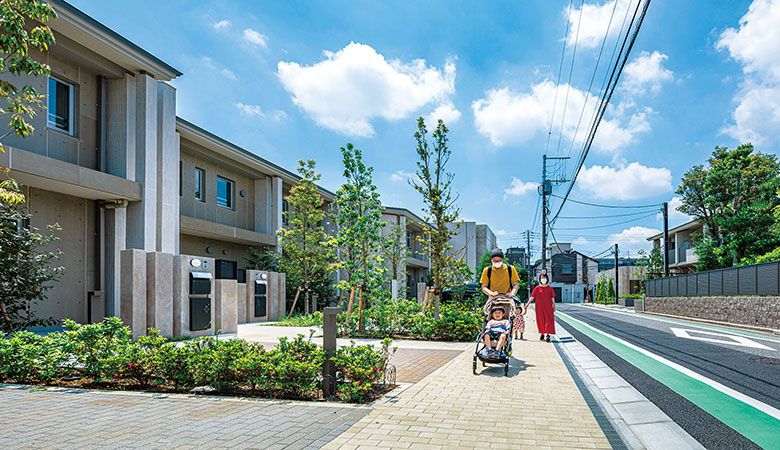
{"x":544,"y":296}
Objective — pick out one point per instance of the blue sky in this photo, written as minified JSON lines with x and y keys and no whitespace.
{"x":292,"y":80}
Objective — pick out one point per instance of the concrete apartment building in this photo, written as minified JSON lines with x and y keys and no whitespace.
{"x":417,"y":263}
{"x":113,"y":165}
{"x":472,"y":241}
{"x":682,"y":258}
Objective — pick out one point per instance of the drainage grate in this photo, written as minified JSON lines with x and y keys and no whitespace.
{"x":765,"y":360}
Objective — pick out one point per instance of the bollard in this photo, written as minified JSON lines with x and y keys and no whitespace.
{"x":329,"y":328}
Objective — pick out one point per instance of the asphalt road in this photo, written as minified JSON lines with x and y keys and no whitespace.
{"x":747,"y":363}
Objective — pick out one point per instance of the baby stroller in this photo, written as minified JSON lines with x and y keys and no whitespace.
{"x":501,"y":357}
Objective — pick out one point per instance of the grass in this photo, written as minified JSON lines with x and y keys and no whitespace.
{"x":301,"y":320}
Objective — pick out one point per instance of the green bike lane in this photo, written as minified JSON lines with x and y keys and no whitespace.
{"x":756,"y":420}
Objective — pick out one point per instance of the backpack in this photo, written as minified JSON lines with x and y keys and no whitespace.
{"x":511,"y":269}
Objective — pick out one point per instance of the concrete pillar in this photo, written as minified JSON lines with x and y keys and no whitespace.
{"x":120,"y":118}
{"x":263,"y":202}
{"x":282,"y":297}
{"x":167,"y":153}
{"x":273,"y":295}
{"x":159,"y":292}
{"x":133,"y":291}
{"x":241,"y":302}
{"x":394,"y":289}
{"x":226,"y":306}
{"x":142,"y":216}
{"x":275,"y":210}
{"x":182,"y":266}
{"x":421,"y":292}
{"x":115,"y":242}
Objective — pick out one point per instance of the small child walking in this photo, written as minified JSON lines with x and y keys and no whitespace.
{"x":519,"y":323}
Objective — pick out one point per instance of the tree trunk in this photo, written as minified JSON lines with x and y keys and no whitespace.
{"x":351,"y":299}
{"x":7,"y":319}
{"x":360,"y":309}
{"x":297,"y":293}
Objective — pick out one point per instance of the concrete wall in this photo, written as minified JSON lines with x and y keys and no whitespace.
{"x":627,"y":275}
{"x":196,"y":246}
{"x":486,"y":239}
{"x":752,"y":311}
{"x":465,"y":243}
{"x":76,"y":216}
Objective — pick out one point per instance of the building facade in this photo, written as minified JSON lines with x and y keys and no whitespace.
{"x":573,"y":275}
{"x":472,"y":241}
{"x":417,"y":263}
{"x":682,"y":258}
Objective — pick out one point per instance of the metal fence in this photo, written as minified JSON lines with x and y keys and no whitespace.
{"x":757,"y":279}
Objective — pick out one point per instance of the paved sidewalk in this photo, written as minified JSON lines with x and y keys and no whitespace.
{"x":537,"y":406}
{"x":83,"y":419}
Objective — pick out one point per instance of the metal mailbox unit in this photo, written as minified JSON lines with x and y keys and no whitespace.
{"x":261,"y":298}
{"x":200,"y":301}
{"x":226,"y":269}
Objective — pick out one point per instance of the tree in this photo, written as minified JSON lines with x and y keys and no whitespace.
{"x":734,"y":198}
{"x":25,"y":270}
{"x":16,"y":39}
{"x":265,"y":259}
{"x":306,"y":251}
{"x":359,"y":221}
{"x":651,"y":263}
{"x":434,"y":183}
{"x":484,"y":261}
{"x":610,"y":292}
{"x":395,"y":252}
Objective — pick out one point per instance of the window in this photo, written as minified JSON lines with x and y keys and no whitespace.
{"x":200,"y":175}
{"x":285,"y":210}
{"x":224,"y":192}
{"x":60,"y":108}
{"x":409,"y":239}
{"x":567,"y":269}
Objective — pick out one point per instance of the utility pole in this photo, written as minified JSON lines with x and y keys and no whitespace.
{"x":665,"y":210}
{"x":617,"y":296}
{"x":545,"y":191}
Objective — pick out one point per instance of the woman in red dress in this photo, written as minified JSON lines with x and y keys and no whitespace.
{"x":544,"y":297}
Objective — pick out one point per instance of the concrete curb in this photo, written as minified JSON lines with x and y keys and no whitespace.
{"x":640,"y":424}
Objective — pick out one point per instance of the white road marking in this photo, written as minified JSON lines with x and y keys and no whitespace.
{"x":730,"y":339}
{"x":759,"y":405}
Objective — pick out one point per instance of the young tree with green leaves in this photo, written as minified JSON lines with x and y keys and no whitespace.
{"x":734,"y":198}
{"x":306,"y":250}
{"x":434,"y":183}
{"x":395,"y":252}
{"x":264,"y":259}
{"x":651,"y":264}
{"x":26,"y":272}
{"x":359,"y":221}
{"x":16,"y":39}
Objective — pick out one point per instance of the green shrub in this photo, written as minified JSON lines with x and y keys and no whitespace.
{"x":296,"y":368}
{"x":171,"y":366}
{"x":135,"y":360}
{"x":28,"y":358}
{"x":95,"y":346}
{"x":301,"y":320}
{"x":362,"y":367}
{"x":212,"y":361}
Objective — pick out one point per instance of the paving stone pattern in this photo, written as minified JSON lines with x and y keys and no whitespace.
{"x":537,"y":406}
{"x":412,"y":365}
{"x":83,"y":419}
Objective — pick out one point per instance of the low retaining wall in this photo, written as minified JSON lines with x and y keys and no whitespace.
{"x":761,"y":312}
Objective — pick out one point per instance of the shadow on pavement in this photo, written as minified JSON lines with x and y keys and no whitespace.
{"x":497,"y":371}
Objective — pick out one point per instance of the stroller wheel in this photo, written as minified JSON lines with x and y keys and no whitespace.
{"x":475,"y":366}
{"x":506,"y":370}
{"x":483,"y":364}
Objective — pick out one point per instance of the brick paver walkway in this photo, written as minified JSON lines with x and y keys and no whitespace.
{"x":60,"y":418}
{"x":412,"y":365}
{"x":537,"y":406}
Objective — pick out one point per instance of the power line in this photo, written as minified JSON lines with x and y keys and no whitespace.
{"x":611,"y":224}
{"x":616,"y":72}
{"x":560,"y":69}
{"x":568,"y":85}
{"x":652,"y":205}
{"x":602,"y":217}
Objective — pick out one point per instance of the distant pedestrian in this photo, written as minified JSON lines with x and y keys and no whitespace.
{"x":544,"y":297}
{"x":519,"y":323}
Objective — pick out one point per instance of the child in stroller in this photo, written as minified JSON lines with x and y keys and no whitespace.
{"x":494,"y":343}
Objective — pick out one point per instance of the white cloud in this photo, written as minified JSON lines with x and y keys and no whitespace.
{"x":756,"y":45}
{"x":511,"y":118}
{"x":580,"y":242}
{"x":211,"y":64}
{"x":594,"y":22}
{"x":647,"y":71}
{"x":446,"y":112}
{"x":675,"y":217}
{"x":518,"y":188}
{"x":352,"y":87}
{"x":632,"y":239}
{"x":630,"y":182}
{"x":401,"y":175}
{"x":257,"y":111}
{"x":255,"y":38}
{"x":221,"y":25}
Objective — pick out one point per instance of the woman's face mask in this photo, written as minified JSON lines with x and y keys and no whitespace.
{"x":497,"y":265}
{"x":543,"y":280}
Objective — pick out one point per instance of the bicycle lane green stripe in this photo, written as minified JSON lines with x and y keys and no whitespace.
{"x":756,"y":425}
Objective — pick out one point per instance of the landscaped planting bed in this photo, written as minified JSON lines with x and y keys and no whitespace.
{"x":105,"y":356}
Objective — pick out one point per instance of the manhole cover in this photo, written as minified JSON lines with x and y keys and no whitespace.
{"x":764,"y":360}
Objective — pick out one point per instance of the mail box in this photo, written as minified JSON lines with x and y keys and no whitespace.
{"x":225,"y":269}
{"x":200,"y":283}
{"x":200,"y":313}
{"x":261,"y":298}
